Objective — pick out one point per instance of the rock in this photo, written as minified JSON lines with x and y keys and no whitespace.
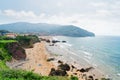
{"x":91,"y":77}
{"x":64,"y":67}
{"x":63,"y":41}
{"x":82,"y":70}
{"x":88,"y":69}
{"x":55,"y":41}
{"x":60,"y":62}
{"x":54,"y":72}
{"x":75,"y":73}
{"x":73,"y":67}
{"x":50,"y":59}
{"x":85,"y":70}
{"x":48,"y":41}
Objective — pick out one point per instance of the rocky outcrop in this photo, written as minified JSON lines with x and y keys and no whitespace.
{"x":64,"y":67}
{"x":57,"y":72}
{"x":61,"y":71}
{"x":16,"y":51}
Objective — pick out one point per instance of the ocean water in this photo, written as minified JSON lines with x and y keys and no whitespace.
{"x":102,"y":52}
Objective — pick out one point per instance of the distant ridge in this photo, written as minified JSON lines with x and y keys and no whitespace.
{"x":46,"y":29}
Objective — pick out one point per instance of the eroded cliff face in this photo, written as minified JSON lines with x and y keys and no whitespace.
{"x":16,"y":51}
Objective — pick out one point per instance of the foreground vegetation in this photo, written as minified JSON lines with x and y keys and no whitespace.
{"x":25,"y":75}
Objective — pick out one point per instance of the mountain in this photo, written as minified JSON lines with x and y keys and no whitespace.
{"x":2,"y":32}
{"x":46,"y":29}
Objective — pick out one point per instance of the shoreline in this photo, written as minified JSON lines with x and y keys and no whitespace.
{"x":37,"y":56}
{"x":65,"y":55}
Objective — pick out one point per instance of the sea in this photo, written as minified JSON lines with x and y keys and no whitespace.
{"x":102,"y":52}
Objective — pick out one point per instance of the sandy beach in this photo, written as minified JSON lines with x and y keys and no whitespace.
{"x":36,"y":60}
{"x":37,"y":56}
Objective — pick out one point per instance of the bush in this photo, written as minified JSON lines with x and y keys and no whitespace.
{"x":27,"y":41}
{"x":73,"y":78}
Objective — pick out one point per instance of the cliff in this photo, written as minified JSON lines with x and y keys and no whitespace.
{"x":9,"y":49}
{"x":16,"y":51}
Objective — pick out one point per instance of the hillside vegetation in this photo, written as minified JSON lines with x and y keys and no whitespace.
{"x":27,"y":41}
{"x":47,"y":29}
{"x":25,"y":75}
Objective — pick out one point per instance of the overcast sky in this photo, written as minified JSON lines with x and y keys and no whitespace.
{"x":99,"y":16}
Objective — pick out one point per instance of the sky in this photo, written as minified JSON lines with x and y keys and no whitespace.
{"x":99,"y":16}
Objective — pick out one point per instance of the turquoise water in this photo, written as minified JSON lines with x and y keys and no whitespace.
{"x":101,"y":51}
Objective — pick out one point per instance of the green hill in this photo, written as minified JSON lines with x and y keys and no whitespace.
{"x":47,"y":29}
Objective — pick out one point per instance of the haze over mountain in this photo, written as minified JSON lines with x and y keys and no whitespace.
{"x":46,"y":29}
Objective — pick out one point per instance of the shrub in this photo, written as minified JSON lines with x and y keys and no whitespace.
{"x":27,"y":41}
{"x":73,"y":78}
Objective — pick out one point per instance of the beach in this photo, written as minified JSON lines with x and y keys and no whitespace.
{"x":36,"y":60}
{"x":60,"y":53}
{"x":37,"y":57}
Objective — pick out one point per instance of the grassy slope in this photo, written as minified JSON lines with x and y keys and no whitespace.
{"x":7,"y":41}
{"x":4,"y":56}
{"x":3,"y":52}
{"x":3,"y":65}
{"x":25,"y":75}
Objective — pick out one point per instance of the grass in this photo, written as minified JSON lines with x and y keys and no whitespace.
{"x":7,"y":41}
{"x":4,"y":55}
{"x":26,"y":75}
{"x":3,"y":65}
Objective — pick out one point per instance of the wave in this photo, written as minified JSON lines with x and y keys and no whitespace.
{"x":87,"y":60}
{"x":88,"y":57}
{"x":87,"y":53}
{"x":67,"y":44}
{"x":118,"y":74}
{"x":54,"y":38}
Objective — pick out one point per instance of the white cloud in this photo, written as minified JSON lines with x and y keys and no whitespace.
{"x":59,"y":4}
{"x":21,"y":14}
{"x":103,"y":13}
{"x":31,"y":16}
{"x":98,"y":4}
{"x":91,"y":22}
